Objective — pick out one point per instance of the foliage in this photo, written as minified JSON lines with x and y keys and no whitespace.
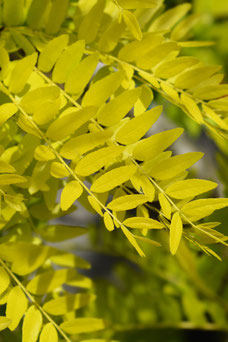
{"x":62,"y":131}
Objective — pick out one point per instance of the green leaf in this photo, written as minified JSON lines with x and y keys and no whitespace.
{"x":84,"y":71}
{"x":94,"y":161}
{"x":189,"y":187}
{"x":175,"y":235}
{"x":21,"y":72}
{"x":57,"y":233}
{"x":48,"y":333}
{"x":148,"y":148}
{"x":67,"y":61}
{"x":171,"y":167}
{"x":32,"y":325}
{"x":56,"y":16}
{"x":143,"y":223}
{"x":4,"y":322}
{"x":4,"y":280}
{"x":16,"y":307}
{"x":127,"y":202}
{"x":82,"y":325}
{"x":113,"y":178}
{"x":49,"y":280}
{"x":101,"y":90}
{"x":112,"y":112}
{"x":70,"y":193}
{"x":51,"y":52}
{"x":68,"y":123}
{"x":132,"y":24}
{"x":68,"y":303}
{"x":137,"y":127}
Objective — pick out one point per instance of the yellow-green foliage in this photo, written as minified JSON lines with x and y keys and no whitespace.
{"x":59,"y":131}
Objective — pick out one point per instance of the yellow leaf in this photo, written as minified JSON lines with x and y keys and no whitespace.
{"x":148,"y":148}
{"x":43,"y":153}
{"x":82,"y":325}
{"x":51,"y":52}
{"x":95,"y":205}
{"x":21,"y":72}
{"x":84,"y":72}
{"x":49,"y":280}
{"x":13,"y":13}
{"x":144,"y":101}
{"x":58,"y":233}
{"x":132,"y":51}
{"x":48,"y":333}
{"x":165,"y":205}
{"x":132,"y":240}
{"x":143,"y":223}
{"x":16,"y":307}
{"x":33,"y":99}
{"x":94,"y":161}
{"x":169,"y":18}
{"x":189,"y":187}
{"x":4,"y":62}
{"x":36,"y":13}
{"x":108,"y":222}
{"x":84,"y":143}
{"x":57,"y":14}
{"x":215,"y":117}
{"x":70,"y":193}
{"x":171,"y":68}
{"x":127,"y":202}
{"x":193,"y":77}
{"x":101,"y":90}
{"x":132,"y":4}
{"x":204,"y":207}
{"x":45,"y":112}
{"x":156,"y":55}
{"x":192,"y":108}
{"x":6,"y":168}
{"x":211,"y":92}
{"x":112,"y":112}
{"x":67,"y":61}
{"x":68,"y":303}
{"x":4,"y":280}
{"x":6,"y":111}
{"x":32,"y":325}
{"x":58,"y":170}
{"x":70,"y":122}
{"x":11,"y":179}
{"x":137,"y":127}
{"x":4,"y":322}
{"x":111,"y":36}
{"x":132,"y":24}
{"x":175,"y":235}
{"x":113,"y":178}
{"x":171,"y":167}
